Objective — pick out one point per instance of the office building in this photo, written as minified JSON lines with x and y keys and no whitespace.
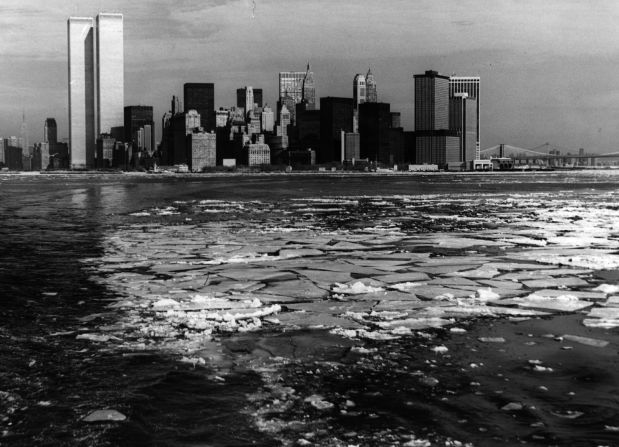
{"x":257,"y":154}
{"x":396,"y":120}
{"x":374,"y":125}
{"x":110,"y":74}
{"x":201,"y":98}
{"x":81,"y":92}
{"x":435,"y":143}
{"x":202,"y":150}
{"x":268,"y":119}
{"x":469,"y":85}
{"x":105,"y":151}
{"x":40,"y":156}
{"x":242,"y":97}
{"x":221,"y":117}
{"x":136,"y":118}
{"x":50,"y":131}
{"x":291,"y":84}
{"x":309,"y":90}
{"x":371,"y":94}
{"x":336,"y":115}
{"x":463,"y":121}
{"x":358,"y":90}
{"x":351,"y":146}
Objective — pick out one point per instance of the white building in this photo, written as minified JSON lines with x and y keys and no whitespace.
{"x":96,"y":61}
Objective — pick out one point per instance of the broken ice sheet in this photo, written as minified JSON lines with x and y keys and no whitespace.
{"x":402,"y":277}
{"x":300,"y":288}
{"x":555,"y":282}
{"x":561,"y":303}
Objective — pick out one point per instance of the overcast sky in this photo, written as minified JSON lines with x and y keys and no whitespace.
{"x":548,"y":69}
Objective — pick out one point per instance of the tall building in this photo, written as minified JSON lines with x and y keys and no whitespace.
{"x":309,"y":90}
{"x":24,"y":133}
{"x":431,"y":101}
{"x":50,"y":131}
{"x":358,"y":90}
{"x":294,"y":87}
{"x":463,"y":120}
{"x":242,"y":97}
{"x":435,"y":143}
{"x":336,"y":115}
{"x":370,"y":83}
{"x":469,"y":85}
{"x":136,"y":118}
{"x":81,"y":92}
{"x":268,"y":119}
{"x":110,"y":74}
{"x":201,"y":98}
{"x":374,"y":125}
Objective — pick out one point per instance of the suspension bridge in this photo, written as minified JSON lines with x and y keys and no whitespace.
{"x":545,"y":155}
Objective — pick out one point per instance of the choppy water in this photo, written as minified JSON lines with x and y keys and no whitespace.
{"x":117,"y":292}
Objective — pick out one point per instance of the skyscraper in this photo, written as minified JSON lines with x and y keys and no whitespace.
{"x":469,"y":85}
{"x":81,"y":91}
{"x":309,"y":90}
{"x":136,"y":118}
{"x":242,"y":95}
{"x":50,"y":131}
{"x":434,"y":142}
{"x":358,"y":90}
{"x":201,"y":97}
{"x":299,"y":86}
{"x":110,"y":74}
{"x":370,"y":83}
{"x":336,"y":115}
{"x":94,"y":62}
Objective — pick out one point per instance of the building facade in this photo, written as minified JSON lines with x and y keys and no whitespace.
{"x":374,"y":125}
{"x":258,"y":154}
{"x":81,"y":92}
{"x":370,"y":84}
{"x":110,"y":74}
{"x":50,"y":131}
{"x":202,"y":148}
{"x":136,"y":118}
{"x":469,"y":85}
{"x":336,"y":115}
{"x":201,"y":97}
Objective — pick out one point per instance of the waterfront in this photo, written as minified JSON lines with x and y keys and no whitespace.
{"x":298,"y":310}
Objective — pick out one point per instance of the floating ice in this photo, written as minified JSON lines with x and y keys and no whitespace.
{"x":586,"y":341}
{"x":608,"y":288}
{"x":563,"y":303}
{"x":105,"y":416}
{"x":358,"y":287}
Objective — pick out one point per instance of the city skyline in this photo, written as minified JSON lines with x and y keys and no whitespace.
{"x":546,"y":69}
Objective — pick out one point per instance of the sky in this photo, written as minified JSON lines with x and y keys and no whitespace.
{"x":548,"y":69}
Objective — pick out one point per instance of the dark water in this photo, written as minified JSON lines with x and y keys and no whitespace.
{"x":49,"y":380}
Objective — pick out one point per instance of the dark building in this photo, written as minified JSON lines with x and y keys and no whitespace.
{"x":50,"y":131}
{"x":241,"y":97}
{"x":201,"y":97}
{"x":409,"y":146}
{"x":308,"y":127}
{"x":336,"y":115}
{"x":105,"y":149}
{"x":431,"y":101}
{"x":435,"y":143}
{"x":374,"y":125}
{"x":13,"y":157}
{"x":396,"y":120}
{"x":136,"y":117}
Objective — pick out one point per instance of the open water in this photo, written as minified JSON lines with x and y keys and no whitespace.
{"x":310,"y":310}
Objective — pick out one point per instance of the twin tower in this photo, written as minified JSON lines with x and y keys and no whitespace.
{"x":96,"y":83}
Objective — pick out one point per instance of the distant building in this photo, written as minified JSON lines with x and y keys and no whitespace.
{"x":282,"y":127}
{"x":463,"y":121}
{"x":370,"y":84}
{"x":351,"y":146}
{"x":105,"y":151}
{"x":40,"y":156}
{"x":257,"y":154}
{"x":336,"y":115}
{"x":374,"y":125}
{"x":50,"y":131}
{"x":469,"y":85}
{"x":308,"y":128}
{"x":268,"y":119}
{"x":136,"y":118}
{"x":435,"y":143}
{"x":396,"y":120}
{"x":248,"y":95}
{"x":221,"y":118}
{"x":358,"y":90}
{"x":202,"y":148}
{"x":309,"y":90}
{"x":201,"y":98}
